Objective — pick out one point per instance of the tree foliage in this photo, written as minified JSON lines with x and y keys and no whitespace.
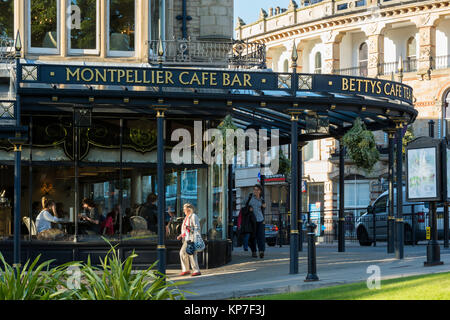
{"x":361,"y":146}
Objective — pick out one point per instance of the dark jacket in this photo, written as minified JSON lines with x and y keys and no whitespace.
{"x":248,"y":224}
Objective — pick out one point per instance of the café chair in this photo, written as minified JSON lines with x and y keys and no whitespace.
{"x":30,"y":225}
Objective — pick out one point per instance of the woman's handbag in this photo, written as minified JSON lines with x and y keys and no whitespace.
{"x":198,"y":242}
{"x":190,"y":248}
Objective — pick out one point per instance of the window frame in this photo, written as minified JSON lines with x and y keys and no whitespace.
{"x":318,"y":68}
{"x":42,"y":50}
{"x":95,"y":51}
{"x":115,"y":53}
{"x":366,"y":61}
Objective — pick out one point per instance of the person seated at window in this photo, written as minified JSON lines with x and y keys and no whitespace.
{"x":92,"y":217}
{"x":44,"y":222}
{"x":107,"y":226}
{"x":149,"y":212}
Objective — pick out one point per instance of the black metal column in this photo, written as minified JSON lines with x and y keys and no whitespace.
{"x":341,"y":234}
{"x":294,"y":195}
{"x":391,"y":219}
{"x":433,"y":249}
{"x":161,"y":248}
{"x":399,"y":214}
{"x":446,"y":224}
{"x":230,"y":203}
{"x":299,"y":197}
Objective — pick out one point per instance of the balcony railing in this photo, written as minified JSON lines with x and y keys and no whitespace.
{"x":441,"y":62}
{"x":227,"y":54}
{"x":355,"y":72}
{"x":386,"y":68}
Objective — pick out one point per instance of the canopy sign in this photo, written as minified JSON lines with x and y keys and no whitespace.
{"x":213,"y":79}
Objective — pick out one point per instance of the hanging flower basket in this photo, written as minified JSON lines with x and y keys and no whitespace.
{"x":361,"y":146}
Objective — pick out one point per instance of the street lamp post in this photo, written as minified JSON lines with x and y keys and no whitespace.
{"x":312,"y":268}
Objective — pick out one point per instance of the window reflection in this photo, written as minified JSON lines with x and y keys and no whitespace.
{"x":84,"y":35}
{"x":121,"y":25}
{"x":7,"y":19}
{"x":44,"y":21}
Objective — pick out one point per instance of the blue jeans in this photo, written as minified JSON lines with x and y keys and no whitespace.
{"x":245,"y":240}
{"x":259,"y":239}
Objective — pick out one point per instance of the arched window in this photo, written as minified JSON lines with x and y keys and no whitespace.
{"x":286,"y":66}
{"x":411,"y":54}
{"x":318,"y":63}
{"x":362,"y":59}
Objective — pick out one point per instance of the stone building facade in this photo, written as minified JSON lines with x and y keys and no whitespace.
{"x":361,"y":38}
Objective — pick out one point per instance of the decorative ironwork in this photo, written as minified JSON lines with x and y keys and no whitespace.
{"x":7,"y":52}
{"x":29,"y":73}
{"x":305,"y":82}
{"x":284,"y":81}
{"x":7,"y":113}
{"x":226,"y":54}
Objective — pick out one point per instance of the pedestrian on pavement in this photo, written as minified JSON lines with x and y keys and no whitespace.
{"x":258,"y":205}
{"x":190,"y":226}
{"x":248,"y":227}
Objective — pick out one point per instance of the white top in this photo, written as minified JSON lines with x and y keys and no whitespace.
{"x":193,"y":222}
{"x":44,"y":221}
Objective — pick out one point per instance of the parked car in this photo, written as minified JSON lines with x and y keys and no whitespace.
{"x":379,"y":209}
{"x":271,"y":233}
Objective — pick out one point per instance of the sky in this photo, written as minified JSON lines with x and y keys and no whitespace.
{"x":248,"y":10}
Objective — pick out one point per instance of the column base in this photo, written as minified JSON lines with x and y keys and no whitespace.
{"x":311,"y":277}
{"x":433,"y":255}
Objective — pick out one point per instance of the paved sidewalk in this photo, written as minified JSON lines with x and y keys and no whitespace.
{"x":246,"y":276}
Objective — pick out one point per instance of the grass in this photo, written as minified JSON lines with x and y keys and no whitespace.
{"x":423,"y":287}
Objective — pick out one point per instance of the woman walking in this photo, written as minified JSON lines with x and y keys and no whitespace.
{"x":258,"y":205}
{"x":190,"y":225}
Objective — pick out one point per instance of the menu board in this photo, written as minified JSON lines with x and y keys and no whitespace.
{"x":422,"y":175}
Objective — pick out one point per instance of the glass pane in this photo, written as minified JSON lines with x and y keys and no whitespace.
{"x":7,"y":19}
{"x":44,"y":23}
{"x":121,"y":25}
{"x":217,"y":203}
{"x":411,"y":48}
{"x":83,"y":33}
{"x":54,"y":219}
{"x":154,"y":20}
{"x":6,"y":202}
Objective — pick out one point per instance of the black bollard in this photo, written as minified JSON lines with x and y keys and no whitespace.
{"x":312,"y":272}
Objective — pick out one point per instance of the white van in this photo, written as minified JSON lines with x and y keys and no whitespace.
{"x":379,"y":209}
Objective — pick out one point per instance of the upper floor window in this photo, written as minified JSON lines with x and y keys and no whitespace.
{"x":156,"y":30}
{"x":121,"y":27}
{"x":318,"y":63}
{"x":43,"y":26}
{"x":411,"y":48}
{"x":83,"y":26}
{"x":363,"y":59}
{"x":7,"y":19}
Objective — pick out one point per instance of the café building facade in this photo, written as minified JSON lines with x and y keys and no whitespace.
{"x":100,"y":128}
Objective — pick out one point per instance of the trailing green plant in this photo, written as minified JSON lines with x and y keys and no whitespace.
{"x":284,"y":165}
{"x":227,"y":124}
{"x":361,"y":146}
{"x":116,"y":280}
{"x":408,"y":137}
{"x":33,"y":281}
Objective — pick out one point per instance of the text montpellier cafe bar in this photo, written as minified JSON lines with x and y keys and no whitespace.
{"x":104,"y":133}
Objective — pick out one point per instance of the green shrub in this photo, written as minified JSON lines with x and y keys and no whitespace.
{"x":115,"y":280}
{"x":32,"y":281}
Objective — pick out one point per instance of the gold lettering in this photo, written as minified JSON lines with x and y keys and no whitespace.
{"x":236,"y":79}
{"x":91,"y":75}
{"x":120,"y":75}
{"x":385,"y":89}
{"x":344,"y":84}
{"x":373,"y":84}
{"x":112,"y":72}
{"x":145,"y":77}
{"x":226,"y":79}
{"x":359,"y":84}
{"x":352,"y":85}
{"x":169,"y":76}
{"x":99,"y":75}
{"x":160,"y":77}
{"x":213,"y":79}
{"x":195,"y":78}
{"x":182,"y":81}
{"x":378,"y":87}
{"x":70,"y":74}
{"x":136,"y":77}
{"x":129,"y":76}
{"x":247,"y":78}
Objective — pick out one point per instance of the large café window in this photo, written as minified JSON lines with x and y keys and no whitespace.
{"x":117,"y":176}
{"x":83,"y":26}
{"x":43,"y":26}
{"x":7,"y":19}
{"x":122,"y":27}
